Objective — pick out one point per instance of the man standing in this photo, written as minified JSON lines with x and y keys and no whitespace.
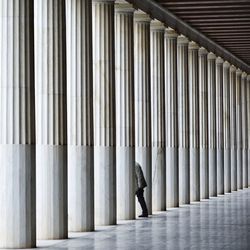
{"x":140,"y":184}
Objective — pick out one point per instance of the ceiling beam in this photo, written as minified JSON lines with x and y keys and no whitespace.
{"x":159,"y":12}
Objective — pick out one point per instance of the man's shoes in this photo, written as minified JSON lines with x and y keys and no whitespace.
{"x":143,"y":215}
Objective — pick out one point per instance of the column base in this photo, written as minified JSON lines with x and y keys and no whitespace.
{"x":105,"y":185}
{"x":80,"y":188}
{"x":212,"y":172}
{"x":220,"y":171}
{"x":17,"y":196}
{"x":204,"y":176}
{"x":194,"y":175}
{"x":227,"y":171}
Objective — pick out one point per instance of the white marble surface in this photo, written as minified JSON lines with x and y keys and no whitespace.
{"x":218,"y":223}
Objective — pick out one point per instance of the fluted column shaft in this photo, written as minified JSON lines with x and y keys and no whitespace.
{"x":158,"y":116}
{"x":219,"y":126}
{"x":244,"y":130}
{"x":171,"y":118}
{"x":233,"y":128}
{"x":194,"y":121}
{"x":143,"y":100}
{"x":51,"y":124}
{"x":104,"y":112}
{"x":239,"y":129}
{"x":183,"y":120}
{"x":226,"y":127}
{"x":212,"y":125}
{"x":248,"y":126}
{"x":80,"y":116}
{"x":125,"y":128}
{"x":17,"y":125}
{"x":203,"y":116}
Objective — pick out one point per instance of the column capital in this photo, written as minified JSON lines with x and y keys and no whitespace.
{"x":202,"y":51}
{"x":157,"y":25}
{"x":226,"y":64}
{"x":211,"y":56}
{"x":219,"y":60}
{"x":244,"y":75}
{"x":122,"y":6}
{"x":232,"y":68}
{"x":182,"y":40}
{"x":170,"y":33}
{"x":193,"y":45}
{"x":238,"y":72}
{"x":140,"y":16}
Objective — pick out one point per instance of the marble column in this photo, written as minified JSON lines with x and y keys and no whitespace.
{"x":238,"y":129}
{"x":143,"y":141}
{"x":17,"y":125}
{"x":158,"y":116}
{"x":104,"y":111}
{"x":219,"y":126}
{"x":226,"y":127}
{"x":203,"y":116}
{"x":183,"y":120}
{"x":125,"y":127}
{"x":51,"y":123}
{"x":212,"y":165}
{"x":80,"y":116}
{"x":233,"y":128}
{"x":248,"y":126}
{"x":170,"y":55}
{"x":194,"y":121}
{"x":244,"y":130}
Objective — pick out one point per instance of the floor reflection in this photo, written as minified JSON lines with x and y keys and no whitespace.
{"x":220,"y":223}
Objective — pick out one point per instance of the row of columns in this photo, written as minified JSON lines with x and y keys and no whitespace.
{"x":131,"y":90}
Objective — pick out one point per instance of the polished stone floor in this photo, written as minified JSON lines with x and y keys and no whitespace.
{"x":218,"y":223}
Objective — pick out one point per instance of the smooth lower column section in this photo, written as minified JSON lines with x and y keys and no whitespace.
{"x":248,"y":126}
{"x":183,"y":120}
{"x":212,"y":165}
{"x":104,"y":112}
{"x":171,"y":118}
{"x":244,"y":129}
{"x":80,"y":116}
{"x":203,"y":130}
{"x":143,"y":101}
{"x":158,"y":116}
{"x":17,"y":126}
{"x":238,"y":129}
{"x":194,"y":121}
{"x":219,"y":126}
{"x":125,"y":128}
{"x":233,"y":128}
{"x":51,"y":124}
{"x":226,"y":128}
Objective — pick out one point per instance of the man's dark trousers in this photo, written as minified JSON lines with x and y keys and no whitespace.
{"x":141,"y":200}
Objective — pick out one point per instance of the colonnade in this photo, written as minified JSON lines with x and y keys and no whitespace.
{"x":83,"y":96}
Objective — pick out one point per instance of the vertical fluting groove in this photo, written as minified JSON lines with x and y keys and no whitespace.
{"x":170,"y":54}
{"x":17,"y":125}
{"x":143,"y":141}
{"x":212,"y":147}
{"x":158,"y":116}
{"x":226,"y":127}
{"x":248,"y":126}
{"x":125,"y":127}
{"x":238,"y":101}
{"x":244,"y":129}
{"x":233,"y":128}
{"x":219,"y":126}
{"x":203,"y":117}
{"x":51,"y":122}
{"x":80,"y":115}
{"x":104,"y":111}
{"x":183,"y":120}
